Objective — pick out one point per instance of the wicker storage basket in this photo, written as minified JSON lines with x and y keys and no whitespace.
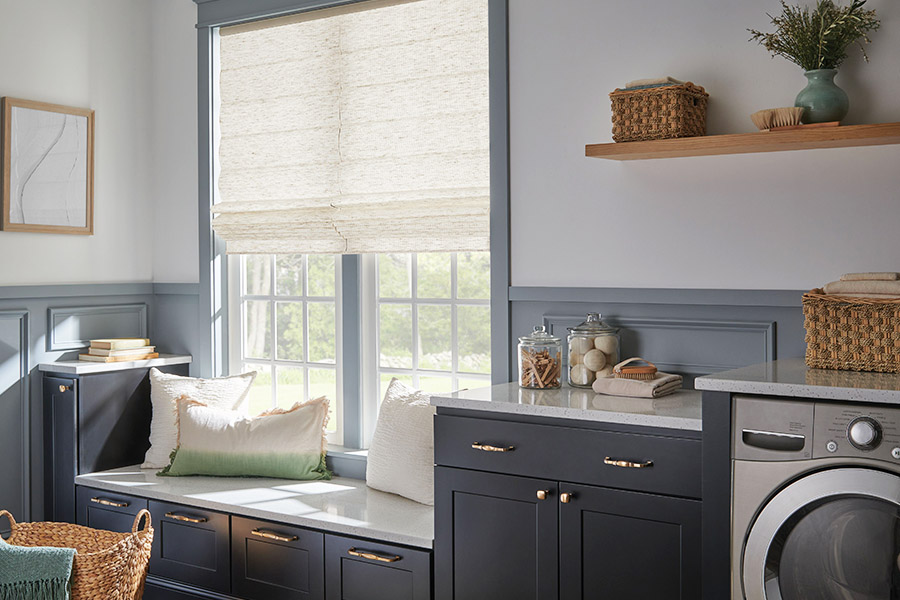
{"x":857,"y":334}
{"x":107,"y":566}
{"x":672,"y":111}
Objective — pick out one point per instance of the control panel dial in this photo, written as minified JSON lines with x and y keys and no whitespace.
{"x":864,"y":433}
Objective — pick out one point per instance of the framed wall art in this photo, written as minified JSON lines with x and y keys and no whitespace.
{"x":48,"y":167}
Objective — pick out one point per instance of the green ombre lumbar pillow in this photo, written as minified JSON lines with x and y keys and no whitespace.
{"x":287,"y":444}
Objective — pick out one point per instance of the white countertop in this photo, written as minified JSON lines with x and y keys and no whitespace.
{"x":83,"y":367}
{"x":791,"y":377}
{"x":680,"y":410}
{"x":343,"y":506}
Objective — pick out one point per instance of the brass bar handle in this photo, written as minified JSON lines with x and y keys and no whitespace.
{"x":542,"y":494}
{"x":627,"y":464}
{"x":186,"y":518}
{"x":566,"y":497}
{"x":274,"y":536}
{"x":64,"y":388}
{"x":367,"y":554}
{"x":489,"y":448}
{"x":114,"y":503}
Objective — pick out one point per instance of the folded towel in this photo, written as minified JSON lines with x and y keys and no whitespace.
{"x":869,"y":296}
{"x":34,"y":573}
{"x":652,"y":81}
{"x":863,"y":287}
{"x":662,"y":384}
{"x":882,"y":276}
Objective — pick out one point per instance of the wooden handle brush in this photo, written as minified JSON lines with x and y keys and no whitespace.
{"x":625,"y":370}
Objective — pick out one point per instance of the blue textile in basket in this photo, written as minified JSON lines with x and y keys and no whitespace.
{"x":35,"y":573}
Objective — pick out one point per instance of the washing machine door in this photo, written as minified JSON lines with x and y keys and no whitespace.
{"x":832,"y":535}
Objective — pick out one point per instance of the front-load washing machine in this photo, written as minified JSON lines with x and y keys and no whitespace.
{"x":815,"y":500}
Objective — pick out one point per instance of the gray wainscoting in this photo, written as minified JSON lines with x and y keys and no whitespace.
{"x":692,"y":332}
{"x":52,"y":322}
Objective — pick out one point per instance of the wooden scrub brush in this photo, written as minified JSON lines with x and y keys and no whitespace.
{"x":625,"y":370}
{"x":776,"y":118}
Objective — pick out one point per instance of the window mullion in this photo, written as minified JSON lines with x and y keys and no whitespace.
{"x":273,"y":333}
{"x":454,"y":317}
{"x":414,"y":284}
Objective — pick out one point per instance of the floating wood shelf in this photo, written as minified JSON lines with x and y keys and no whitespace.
{"x":879,"y":134}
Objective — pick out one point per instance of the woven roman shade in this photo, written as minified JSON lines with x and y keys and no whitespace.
{"x":356,"y":130}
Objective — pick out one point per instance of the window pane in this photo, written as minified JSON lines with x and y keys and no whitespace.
{"x":323,"y":382}
{"x":435,"y":338}
{"x":289,"y":324}
{"x":464,"y":383}
{"x":474,"y":338}
{"x":257,"y":329}
{"x":321,"y":274}
{"x":321,"y":332}
{"x":435,"y":384}
{"x":257,"y":275}
{"x":395,"y":336}
{"x":289,"y":274}
{"x":473,"y":274}
{"x":394,"y":276}
{"x":289,"y":388}
{"x":386,"y":381}
{"x":433,"y":275}
{"x":259,"y":399}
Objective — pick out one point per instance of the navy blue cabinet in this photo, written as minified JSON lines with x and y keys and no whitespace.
{"x":366,"y":570}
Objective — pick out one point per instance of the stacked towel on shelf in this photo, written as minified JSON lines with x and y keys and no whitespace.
{"x":866,"y":285}
{"x":654,"y":82}
{"x":661,"y":385}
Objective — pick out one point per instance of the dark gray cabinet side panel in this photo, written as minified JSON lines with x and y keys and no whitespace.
{"x":493,"y":537}
{"x":109,"y":511}
{"x":191,"y":545}
{"x":60,"y":447}
{"x":276,"y":562}
{"x":350,"y":577}
{"x":716,"y":525}
{"x":628,"y":545}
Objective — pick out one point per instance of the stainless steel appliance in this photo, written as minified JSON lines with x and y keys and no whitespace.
{"x":815,"y":500}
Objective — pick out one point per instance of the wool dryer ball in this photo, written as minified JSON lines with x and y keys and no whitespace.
{"x":595,"y":360}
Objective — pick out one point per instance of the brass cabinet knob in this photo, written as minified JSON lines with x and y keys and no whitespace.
{"x":64,"y":388}
{"x":565,"y":497}
{"x":542,"y":494}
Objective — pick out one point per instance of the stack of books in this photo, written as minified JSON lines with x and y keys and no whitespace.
{"x":119,"y":350}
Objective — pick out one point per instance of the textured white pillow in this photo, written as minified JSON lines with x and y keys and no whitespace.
{"x":165,"y":389}
{"x":401,"y":457}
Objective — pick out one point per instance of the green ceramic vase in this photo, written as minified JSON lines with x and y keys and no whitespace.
{"x":822,"y":99}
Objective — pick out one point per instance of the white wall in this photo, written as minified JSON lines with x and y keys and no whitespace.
{"x":790,"y":220}
{"x":174,"y":141}
{"x":95,"y":54}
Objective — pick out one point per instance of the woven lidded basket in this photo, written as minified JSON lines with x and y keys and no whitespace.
{"x":659,"y":113}
{"x":107,"y":565}
{"x":856,"y":334}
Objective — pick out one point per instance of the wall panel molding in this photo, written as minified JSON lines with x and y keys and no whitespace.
{"x":71,"y":328}
{"x":20,"y":346}
{"x":77,"y":290}
{"x":695,"y":297}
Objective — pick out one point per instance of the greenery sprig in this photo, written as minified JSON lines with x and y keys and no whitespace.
{"x":818,"y":38}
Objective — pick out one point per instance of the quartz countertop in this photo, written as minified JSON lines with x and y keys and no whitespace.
{"x":341,"y":505}
{"x":791,"y":377}
{"x":680,"y":410}
{"x":83,"y":367}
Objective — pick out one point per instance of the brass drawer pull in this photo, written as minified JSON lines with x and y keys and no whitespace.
{"x":566,"y":497}
{"x":64,"y":388}
{"x":271,"y":535}
{"x":114,"y":503}
{"x":542,"y":494}
{"x":613,"y":462}
{"x":186,"y":518}
{"x":489,"y":448}
{"x":372,"y":555}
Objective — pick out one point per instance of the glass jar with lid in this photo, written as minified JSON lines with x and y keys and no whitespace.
{"x":540,"y":364}
{"x":593,"y":351}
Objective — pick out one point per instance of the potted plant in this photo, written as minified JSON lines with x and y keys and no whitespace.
{"x":817,"y":40}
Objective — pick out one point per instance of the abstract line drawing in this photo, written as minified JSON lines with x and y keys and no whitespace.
{"x":47,"y":167}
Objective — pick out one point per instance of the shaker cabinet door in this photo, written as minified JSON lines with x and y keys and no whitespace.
{"x":495,"y":537}
{"x":628,"y":545}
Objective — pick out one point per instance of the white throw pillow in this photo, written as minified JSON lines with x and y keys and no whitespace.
{"x":165,"y":389}
{"x":401,"y":457}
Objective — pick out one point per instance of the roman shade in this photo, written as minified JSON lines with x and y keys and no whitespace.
{"x":356,"y":130}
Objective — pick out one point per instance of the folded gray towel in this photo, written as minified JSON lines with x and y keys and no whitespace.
{"x":876,"y":276}
{"x":661,"y":385}
{"x":863,"y":287}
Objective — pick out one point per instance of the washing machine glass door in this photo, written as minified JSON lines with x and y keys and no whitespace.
{"x":833,"y":535}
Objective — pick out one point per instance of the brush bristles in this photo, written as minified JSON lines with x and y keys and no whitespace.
{"x":643,"y":376}
{"x":777,"y":117}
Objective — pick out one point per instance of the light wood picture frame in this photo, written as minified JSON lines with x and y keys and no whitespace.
{"x":47,"y":167}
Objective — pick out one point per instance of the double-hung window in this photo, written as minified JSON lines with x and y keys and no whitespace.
{"x":352,"y":192}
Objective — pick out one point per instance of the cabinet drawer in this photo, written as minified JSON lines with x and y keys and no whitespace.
{"x":571,"y":454}
{"x":107,"y":510}
{"x":191,"y":545}
{"x":363,"y":570}
{"x":276,"y":562}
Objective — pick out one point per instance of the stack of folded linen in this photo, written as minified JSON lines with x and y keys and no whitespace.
{"x":879,"y":286}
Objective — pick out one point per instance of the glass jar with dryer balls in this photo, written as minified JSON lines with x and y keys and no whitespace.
{"x":540,"y":360}
{"x":593,"y":351}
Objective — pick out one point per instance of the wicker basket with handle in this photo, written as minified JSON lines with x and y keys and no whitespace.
{"x":672,"y":111}
{"x":856,"y":334}
{"x":107,"y":565}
